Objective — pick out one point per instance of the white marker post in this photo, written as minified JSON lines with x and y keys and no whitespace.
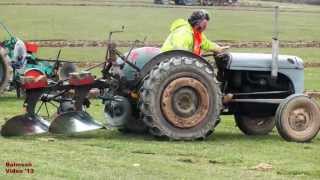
{"x":275,"y":45}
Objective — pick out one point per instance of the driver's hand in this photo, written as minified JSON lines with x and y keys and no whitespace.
{"x":222,"y":49}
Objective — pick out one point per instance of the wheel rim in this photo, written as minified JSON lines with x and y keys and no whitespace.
{"x":299,"y":119}
{"x":185,"y":102}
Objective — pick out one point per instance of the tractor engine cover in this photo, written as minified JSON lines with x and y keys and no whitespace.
{"x":139,"y":57}
{"x":80,"y":79}
{"x":34,"y":79}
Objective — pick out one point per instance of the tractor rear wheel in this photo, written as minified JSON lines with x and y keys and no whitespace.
{"x":251,"y":125}
{"x":5,"y":70}
{"x":134,"y":125}
{"x":180,"y":99}
{"x":298,"y":118}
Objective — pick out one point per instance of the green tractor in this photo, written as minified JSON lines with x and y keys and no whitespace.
{"x":18,"y":56}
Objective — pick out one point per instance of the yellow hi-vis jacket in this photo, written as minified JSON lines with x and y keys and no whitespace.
{"x":181,"y":38}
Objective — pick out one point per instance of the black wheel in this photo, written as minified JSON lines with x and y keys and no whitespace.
{"x":184,"y":2}
{"x":124,"y":115}
{"x":177,"y":2}
{"x":134,"y":125}
{"x":253,"y":125}
{"x":5,"y":70}
{"x":298,"y":118}
{"x":180,"y":98}
{"x":161,"y":1}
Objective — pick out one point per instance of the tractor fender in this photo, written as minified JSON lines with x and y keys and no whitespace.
{"x":166,"y":55}
{"x":139,"y":57}
{"x":146,"y":58}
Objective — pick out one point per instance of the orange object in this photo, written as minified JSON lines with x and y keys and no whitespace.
{"x":31,"y":47}
{"x":34,"y":79}
{"x":197,"y":40}
{"x":80,"y":79}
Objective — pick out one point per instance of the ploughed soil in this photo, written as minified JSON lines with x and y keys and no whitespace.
{"x":314,"y":94}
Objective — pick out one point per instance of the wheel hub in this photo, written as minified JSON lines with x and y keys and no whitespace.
{"x":185,"y":102}
{"x":299,"y":119}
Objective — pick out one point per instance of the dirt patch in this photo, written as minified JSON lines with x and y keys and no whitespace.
{"x":314,"y":94}
{"x":186,"y":160}
{"x":233,"y":44}
{"x":262,"y":167}
{"x":142,"y":152}
{"x":312,"y":64}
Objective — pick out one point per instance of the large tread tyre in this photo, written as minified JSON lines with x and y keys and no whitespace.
{"x":180,"y":99}
{"x":134,"y":125}
{"x":5,"y":70}
{"x":298,"y":118}
{"x":252,"y":126}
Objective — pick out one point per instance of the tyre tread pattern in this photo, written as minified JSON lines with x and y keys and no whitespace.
{"x":148,"y":90}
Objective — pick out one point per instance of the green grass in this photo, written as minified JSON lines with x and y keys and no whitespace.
{"x":312,"y":79}
{"x":243,"y":3}
{"x":59,"y":22}
{"x":108,"y":154}
{"x":75,"y":54}
{"x":272,"y":3}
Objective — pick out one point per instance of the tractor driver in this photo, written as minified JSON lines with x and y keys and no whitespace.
{"x":188,"y":35}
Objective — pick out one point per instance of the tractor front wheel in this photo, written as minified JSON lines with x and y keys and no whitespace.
{"x":298,"y":118}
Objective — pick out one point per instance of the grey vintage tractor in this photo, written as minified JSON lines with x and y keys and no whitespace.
{"x":176,"y":94}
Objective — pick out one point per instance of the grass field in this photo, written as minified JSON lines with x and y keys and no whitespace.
{"x":57,"y":22}
{"x":109,"y":154}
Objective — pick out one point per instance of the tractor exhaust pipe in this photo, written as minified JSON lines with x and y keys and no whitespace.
{"x":275,"y":45}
